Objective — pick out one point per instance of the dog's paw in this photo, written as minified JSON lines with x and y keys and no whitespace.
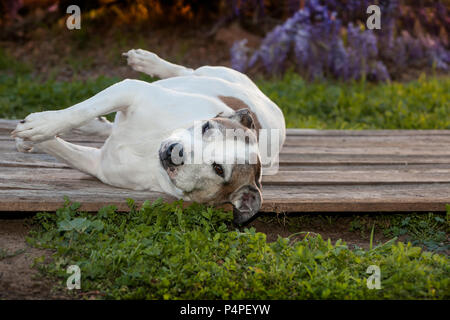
{"x":143,"y":61}
{"x":40,"y":126}
{"x":24,"y":146}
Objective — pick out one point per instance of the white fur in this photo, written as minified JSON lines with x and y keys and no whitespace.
{"x":147,"y":115}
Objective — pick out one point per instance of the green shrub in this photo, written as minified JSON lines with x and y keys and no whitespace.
{"x":162,"y":251}
{"x":12,"y":66}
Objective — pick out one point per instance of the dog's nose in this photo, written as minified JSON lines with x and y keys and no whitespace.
{"x":174,"y":154}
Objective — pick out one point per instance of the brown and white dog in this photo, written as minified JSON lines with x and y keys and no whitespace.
{"x":171,"y":135}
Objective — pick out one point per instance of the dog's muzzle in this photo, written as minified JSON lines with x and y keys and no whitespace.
{"x":171,"y":155}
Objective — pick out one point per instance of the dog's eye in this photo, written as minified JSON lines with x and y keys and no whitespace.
{"x":205,"y":127}
{"x":218,"y":169}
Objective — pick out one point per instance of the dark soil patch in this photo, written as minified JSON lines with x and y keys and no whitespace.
{"x":82,"y":54}
{"x":18,"y":279}
{"x":329,"y":227}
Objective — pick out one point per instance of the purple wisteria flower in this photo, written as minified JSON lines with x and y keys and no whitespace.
{"x":239,"y":56}
{"x":329,"y":38}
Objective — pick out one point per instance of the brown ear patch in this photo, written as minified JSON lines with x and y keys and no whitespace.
{"x":237,"y":104}
{"x":243,"y":174}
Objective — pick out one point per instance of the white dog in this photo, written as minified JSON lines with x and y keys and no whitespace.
{"x":157,"y":128}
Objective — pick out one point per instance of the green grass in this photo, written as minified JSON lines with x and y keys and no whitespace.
{"x":11,"y":66}
{"x":22,"y":95}
{"x":162,"y":251}
{"x":421,"y":104}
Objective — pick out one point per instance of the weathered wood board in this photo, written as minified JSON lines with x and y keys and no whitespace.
{"x":320,"y":171}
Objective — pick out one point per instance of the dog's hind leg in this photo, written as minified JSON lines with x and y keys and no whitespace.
{"x":85,"y":159}
{"x":149,"y":63}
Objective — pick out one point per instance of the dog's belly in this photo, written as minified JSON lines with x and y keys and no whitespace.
{"x":198,"y":98}
{"x":130,"y":159}
{"x":122,"y":167}
{"x":268,"y":114}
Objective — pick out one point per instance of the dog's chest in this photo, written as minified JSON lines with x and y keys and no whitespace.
{"x":130,"y":162}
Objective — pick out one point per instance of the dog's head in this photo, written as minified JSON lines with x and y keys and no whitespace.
{"x":217,"y":161}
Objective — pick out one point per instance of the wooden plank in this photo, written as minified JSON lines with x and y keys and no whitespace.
{"x":360,"y":159}
{"x":358,"y":177}
{"x":92,"y":199}
{"x":26,"y":175}
{"x":364,"y":141}
{"x":11,"y":157}
{"x":370,"y":150}
{"x":14,"y":158}
{"x":33,"y":160}
{"x":366,"y":198}
{"x":364,"y":168}
{"x":410,"y":197}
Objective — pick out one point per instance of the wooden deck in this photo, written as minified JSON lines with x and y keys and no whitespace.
{"x":320,"y":171}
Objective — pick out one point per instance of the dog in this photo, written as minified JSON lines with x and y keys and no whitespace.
{"x":157,"y":128}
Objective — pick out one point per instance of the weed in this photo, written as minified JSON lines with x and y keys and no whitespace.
{"x":5,"y":254}
{"x":426,"y":230}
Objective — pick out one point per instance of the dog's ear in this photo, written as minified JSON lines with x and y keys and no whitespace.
{"x":244,"y":117}
{"x":246,"y":203}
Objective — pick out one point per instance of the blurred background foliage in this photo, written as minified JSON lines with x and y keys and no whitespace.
{"x":315,"y":59}
{"x":316,"y":38}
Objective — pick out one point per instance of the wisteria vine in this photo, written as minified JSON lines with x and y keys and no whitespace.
{"x":319,"y":43}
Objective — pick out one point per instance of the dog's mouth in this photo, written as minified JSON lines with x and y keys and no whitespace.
{"x":163,"y":160}
{"x":167,"y":162}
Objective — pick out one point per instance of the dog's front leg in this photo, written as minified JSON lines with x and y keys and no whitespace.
{"x":41,"y":126}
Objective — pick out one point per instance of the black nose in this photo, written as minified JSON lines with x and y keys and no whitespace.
{"x":174,"y":154}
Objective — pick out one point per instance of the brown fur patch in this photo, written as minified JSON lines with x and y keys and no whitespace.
{"x":236,"y":104}
{"x":242,"y":175}
{"x":226,"y":123}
